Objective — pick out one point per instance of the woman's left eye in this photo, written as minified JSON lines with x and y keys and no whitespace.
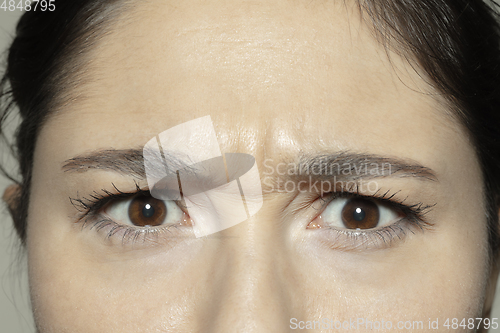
{"x":145,"y":211}
{"x":357,"y":213}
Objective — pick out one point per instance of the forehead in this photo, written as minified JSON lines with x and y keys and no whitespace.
{"x":246,"y":52}
{"x":273,"y":74}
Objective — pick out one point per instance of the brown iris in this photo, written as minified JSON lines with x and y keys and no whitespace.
{"x":147,"y":211}
{"x":360,"y":213}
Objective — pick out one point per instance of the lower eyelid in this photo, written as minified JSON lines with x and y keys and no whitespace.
{"x":119,"y":234}
{"x":360,"y":240}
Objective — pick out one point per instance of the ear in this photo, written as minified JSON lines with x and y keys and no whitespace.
{"x":11,"y":198}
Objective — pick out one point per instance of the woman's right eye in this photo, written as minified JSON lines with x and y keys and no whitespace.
{"x":145,"y":211}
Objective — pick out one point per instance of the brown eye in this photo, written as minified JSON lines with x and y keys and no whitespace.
{"x":147,"y":211}
{"x":360,"y":213}
{"x":357,"y":213}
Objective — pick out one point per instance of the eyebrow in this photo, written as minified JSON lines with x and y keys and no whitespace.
{"x":344,"y":165}
{"x":128,"y":162}
{"x":123,"y":161}
{"x":354,"y":166}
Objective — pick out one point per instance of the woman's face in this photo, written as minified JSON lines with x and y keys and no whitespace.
{"x":290,"y":83}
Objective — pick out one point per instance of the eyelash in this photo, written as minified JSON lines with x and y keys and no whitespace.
{"x":89,"y":209}
{"x":414,"y":218}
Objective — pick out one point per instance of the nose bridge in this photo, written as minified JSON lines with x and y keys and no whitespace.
{"x":255,"y":294}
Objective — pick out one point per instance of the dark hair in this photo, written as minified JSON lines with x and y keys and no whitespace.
{"x":47,"y":59}
{"x":455,"y":43}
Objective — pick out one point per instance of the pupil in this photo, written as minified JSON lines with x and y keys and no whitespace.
{"x":359,"y":214}
{"x":148,"y":211}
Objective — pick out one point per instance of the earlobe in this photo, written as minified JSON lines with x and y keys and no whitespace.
{"x":11,"y":197}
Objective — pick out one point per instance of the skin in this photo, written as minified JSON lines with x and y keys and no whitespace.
{"x":278,"y":79}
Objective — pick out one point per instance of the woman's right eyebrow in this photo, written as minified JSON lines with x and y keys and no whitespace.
{"x":123,"y":161}
{"x":345,"y":165}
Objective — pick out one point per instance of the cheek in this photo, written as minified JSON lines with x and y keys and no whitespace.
{"x":440,"y":274}
{"x":73,"y":290}
{"x":79,"y":285}
{"x":427,"y":292}
{"x":74,"y":294}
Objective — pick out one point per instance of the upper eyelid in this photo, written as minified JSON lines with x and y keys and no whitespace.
{"x":419,"y":209}
{"x":100,"y":201}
